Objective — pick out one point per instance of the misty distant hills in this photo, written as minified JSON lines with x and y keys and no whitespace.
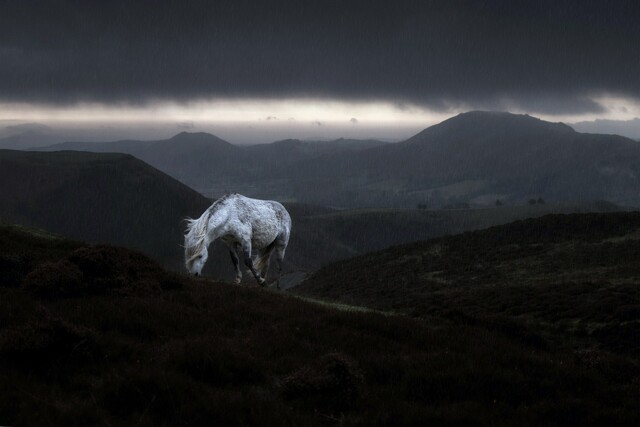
{"x":181,"y":156}
{"x":214,"y":166}
{"x":472,"y":159}
{"x":26,"y":140}
{"x":628,"y":128}
{"x":477,"y":158}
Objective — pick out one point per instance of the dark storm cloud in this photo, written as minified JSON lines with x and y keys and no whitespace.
{"x":547,"y":56}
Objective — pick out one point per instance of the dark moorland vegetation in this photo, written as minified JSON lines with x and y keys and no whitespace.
{"x":324,"y":235}
{"x":570,"y":279}
{"x":102,"y":335}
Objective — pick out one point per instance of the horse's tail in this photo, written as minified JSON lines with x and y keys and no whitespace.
{"x":263,"y":258}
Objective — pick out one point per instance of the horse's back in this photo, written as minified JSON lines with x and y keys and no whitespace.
{"x":268,"y":218}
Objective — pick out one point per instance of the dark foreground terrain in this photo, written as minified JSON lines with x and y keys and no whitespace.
{"x":102,"y":335}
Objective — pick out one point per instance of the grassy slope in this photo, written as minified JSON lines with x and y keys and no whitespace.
{"x":132,"y":344}
{"x":322,"y":236}
{"x":572,"y":278}
{"x":112,"y":198}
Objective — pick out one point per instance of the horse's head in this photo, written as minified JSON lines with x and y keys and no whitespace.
{"x":195,"y":259}
{"x":195,"y":246}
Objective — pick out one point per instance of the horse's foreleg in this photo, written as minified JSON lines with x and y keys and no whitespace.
{"x":249,"y":263}
{"x":236,"y":264}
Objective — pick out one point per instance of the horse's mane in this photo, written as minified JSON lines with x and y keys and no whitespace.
{"x":197,"y":230}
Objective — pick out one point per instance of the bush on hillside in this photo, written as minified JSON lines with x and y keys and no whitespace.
{"x":46,"y":341}
{"x":99,"y":270}
{"x":14,"y":268}
{"x":108,"y":269}
{"x":330,"y":382}
{"x":55,"y":280}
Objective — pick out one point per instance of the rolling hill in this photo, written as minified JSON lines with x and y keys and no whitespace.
{"x":102,"y":335}
{"x":323,"y":236}
{"x":572,"y":278}
{"x":109,"y":198}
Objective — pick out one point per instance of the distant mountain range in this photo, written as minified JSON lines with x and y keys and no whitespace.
{"x":478,"y":158}
{"x":475,"y":159}
{"x":628,"y":128}
{"x":214,"y":166}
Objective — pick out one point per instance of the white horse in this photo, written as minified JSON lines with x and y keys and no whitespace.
{"x":247,"y":226}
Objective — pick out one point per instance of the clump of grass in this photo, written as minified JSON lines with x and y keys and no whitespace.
{"x":332,"y":382}
{"x":55,"y":280}
{"x":99,"y":270}
{"x":109,"y":269}
{"x":46,"y":341}
{"x":15,"y":268}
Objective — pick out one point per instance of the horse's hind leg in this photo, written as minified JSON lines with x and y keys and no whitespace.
{"x":246,"y":249}
{"x":233,"y":252}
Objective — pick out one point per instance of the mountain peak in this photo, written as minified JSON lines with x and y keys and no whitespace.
{"x":194,"y":135}
{"x":474,"y":124}
{"x":504,"y":118}
{"x":197,"y":138}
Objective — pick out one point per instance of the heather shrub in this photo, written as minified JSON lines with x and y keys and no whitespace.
{"x":14,"y":268}
{"x":108,"y":269}
{"x":45,"y":341}
{"x":55,"y":280}
{"x":330,"y":382}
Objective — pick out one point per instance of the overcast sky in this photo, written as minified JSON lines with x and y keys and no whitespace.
{"x":311,"y":64}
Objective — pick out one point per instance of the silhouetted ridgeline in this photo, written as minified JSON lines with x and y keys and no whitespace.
{"x":102,"y":335}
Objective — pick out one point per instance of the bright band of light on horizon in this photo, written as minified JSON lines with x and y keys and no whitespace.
{"x":279,"y":110}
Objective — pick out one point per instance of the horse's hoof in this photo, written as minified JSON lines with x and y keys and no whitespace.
{"x":237,"y":281}
{"x":262,"y":282}
{"x":274,"y":285}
